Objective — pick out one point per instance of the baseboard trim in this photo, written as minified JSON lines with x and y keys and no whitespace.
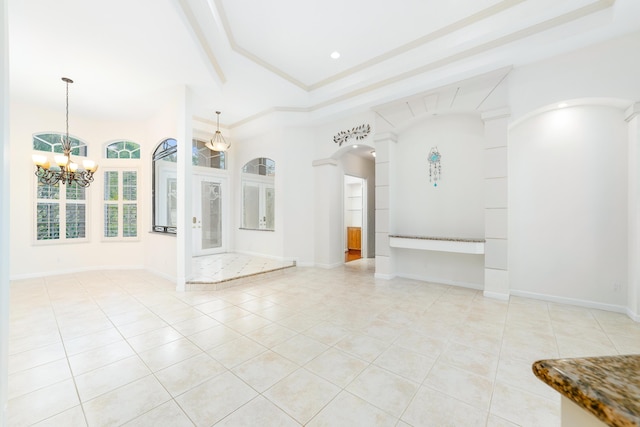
{"x":571,"y":301}
{"x":304,"y":264}
{"x":75,"y":270}
{"x":384,"y":276}
{"x":496,"y":295}
{"x":634,"y":316}
{"x":442,"y":281}
{"x":329,"y":266}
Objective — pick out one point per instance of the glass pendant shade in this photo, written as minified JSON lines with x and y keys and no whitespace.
{"x":217,"y":143}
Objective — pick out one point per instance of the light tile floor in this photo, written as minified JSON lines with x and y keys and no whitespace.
{"x":309,"y":347}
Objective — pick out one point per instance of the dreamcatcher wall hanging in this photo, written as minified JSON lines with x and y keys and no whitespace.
{"x":435,"y":172}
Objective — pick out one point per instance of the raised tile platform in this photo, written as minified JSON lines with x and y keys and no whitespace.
{"x":213,"y":272}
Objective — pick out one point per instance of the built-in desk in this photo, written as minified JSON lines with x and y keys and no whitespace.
{"x":441,"y":244}
{"x":596,"y":391}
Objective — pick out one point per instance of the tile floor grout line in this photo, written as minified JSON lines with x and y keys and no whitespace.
{"x":73,"y":378}
{"x":315,"y":292}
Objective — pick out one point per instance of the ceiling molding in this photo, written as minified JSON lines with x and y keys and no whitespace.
{"x":385,"y":119}
{"x":481,"y":48}
{"x":270,"y":111}
{"x":202,"y":39}
{"x":493,"y":89}
{"x":444,"y":31}
{"x":503,"y":72}
{"x":398,"y":114}
{"x":494,"y":10}
{"x":244,"y":52}
{"x":573,"y":15}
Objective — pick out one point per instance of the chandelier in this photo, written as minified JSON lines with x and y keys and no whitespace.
{"x":218,"y":143}
{"x":66,"y":171}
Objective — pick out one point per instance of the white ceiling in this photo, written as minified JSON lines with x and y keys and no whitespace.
{"x":249,"y":57}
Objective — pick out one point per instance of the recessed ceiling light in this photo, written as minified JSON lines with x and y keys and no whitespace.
{"x":335,"y":54}
{"x":355,"y":146}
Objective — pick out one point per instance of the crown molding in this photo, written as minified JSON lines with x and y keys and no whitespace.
{"x":491,"y":11}
{"x":573,"y":15}
{"x":202,"y":39}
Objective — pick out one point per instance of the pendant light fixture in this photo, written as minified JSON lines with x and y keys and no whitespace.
{"x":218,"y":143}
{"x":66,"y":170}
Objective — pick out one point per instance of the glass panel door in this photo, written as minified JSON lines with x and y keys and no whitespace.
{"x":251,"y":206}
{"x":270,"y":210}
{"x":209,"y":215}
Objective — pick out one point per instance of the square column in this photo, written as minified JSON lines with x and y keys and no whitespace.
{"x":328,"y":214}
{"x":385,"y":156}
{"x":4,"y":212}
{"x":632,"y":117}
{"x":185,"y":178}
{"x":496,"y":269}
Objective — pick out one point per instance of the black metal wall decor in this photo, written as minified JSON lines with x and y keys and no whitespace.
{"x":359,"y":132}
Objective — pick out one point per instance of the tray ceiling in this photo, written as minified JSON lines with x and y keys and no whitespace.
{"x":249,"y":57}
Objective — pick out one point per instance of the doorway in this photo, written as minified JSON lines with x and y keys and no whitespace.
{"x":209,"y":214}
{"x":355,"y":223}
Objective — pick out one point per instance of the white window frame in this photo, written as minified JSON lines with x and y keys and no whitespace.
{"x":263,"y":184}
{"x":120,"y":202}
{"x":61,"y":202}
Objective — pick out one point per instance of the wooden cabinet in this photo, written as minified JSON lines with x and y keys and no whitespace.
{"x":354,"y":237}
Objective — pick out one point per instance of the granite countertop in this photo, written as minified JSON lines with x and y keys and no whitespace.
{"x":445,"y":239}
{"x":608,"y":387}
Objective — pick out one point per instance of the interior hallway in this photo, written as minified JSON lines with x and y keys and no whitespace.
{"x":309,"y":346}
{"x":352,"y":255}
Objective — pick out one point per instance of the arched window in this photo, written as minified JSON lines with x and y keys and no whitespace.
{"x":260,"y":166}
{"x":122,"y":150}
{"x":61,"y":211}
{"x":52,"y":143}
{"x":165,"y":186}
{"x":258,"y":194}
{"x":120,"y":200}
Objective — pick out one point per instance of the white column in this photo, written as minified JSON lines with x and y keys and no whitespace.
{"x":184,"y":235}
{"x":4,"y":212}
{"x":496,"y":271}
{"x":632,"y":117}
{"x":328,"y":214}
{"x":385,"y":164}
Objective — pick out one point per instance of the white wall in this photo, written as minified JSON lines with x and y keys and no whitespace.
{"x":298,"y":195}
{"x":260,"y":242}
{"x":331,"y":164}
{"x":4,"y":211}
{"x":605,"y":70}
{"x":31,"y":258}
{"x":455,"y":208}
{"x":567,"y":204}
{"x":160,"y":250}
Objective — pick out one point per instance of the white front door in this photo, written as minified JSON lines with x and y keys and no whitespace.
{"x":209,"y":215}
